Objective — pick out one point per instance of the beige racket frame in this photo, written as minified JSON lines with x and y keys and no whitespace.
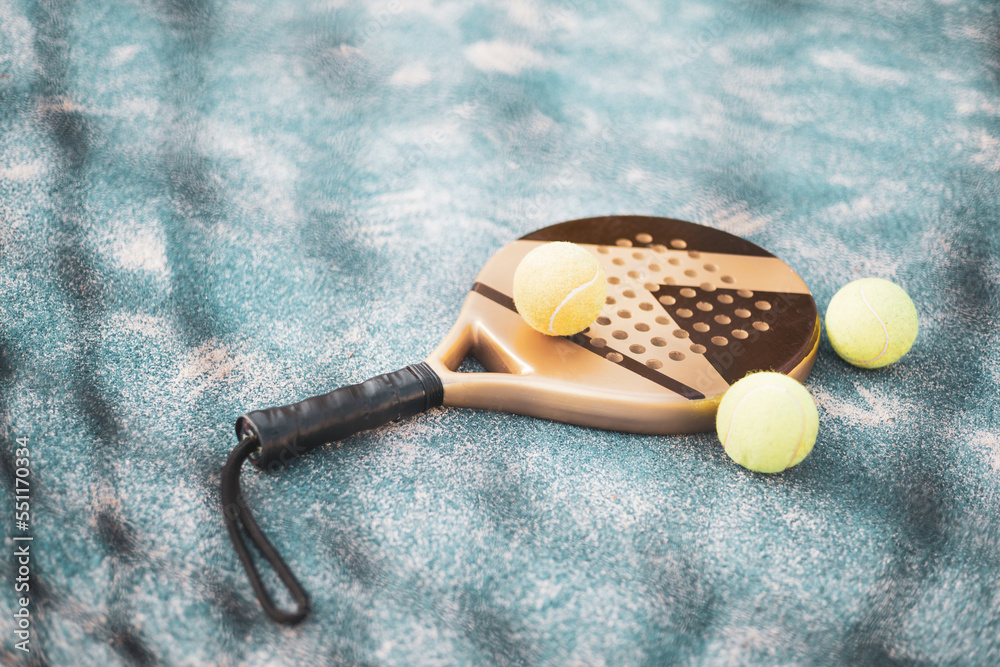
{"x":555,"y":378}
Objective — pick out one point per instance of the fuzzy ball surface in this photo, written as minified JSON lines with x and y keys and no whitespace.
{"x":871,"y":323}
{"x":767,"y":422}
{"x":559,"y":288}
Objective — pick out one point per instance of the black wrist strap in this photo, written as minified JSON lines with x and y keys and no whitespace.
{"x":237,"y":515}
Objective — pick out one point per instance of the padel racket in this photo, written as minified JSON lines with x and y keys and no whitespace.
{"x":690,"y":310}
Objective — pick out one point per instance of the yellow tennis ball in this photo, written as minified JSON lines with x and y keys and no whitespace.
{"x":871,"y":323}
{"x":559,"y":288}
{"x":767,"y":422}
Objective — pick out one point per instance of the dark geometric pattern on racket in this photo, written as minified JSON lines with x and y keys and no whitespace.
{"x":690,"y":310}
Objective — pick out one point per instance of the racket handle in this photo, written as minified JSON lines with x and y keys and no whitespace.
{"x":291,"y":430}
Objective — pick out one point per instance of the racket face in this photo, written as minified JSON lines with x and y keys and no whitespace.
{"x":690,"y":310}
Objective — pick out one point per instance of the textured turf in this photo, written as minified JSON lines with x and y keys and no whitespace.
{"x":208,"y":207}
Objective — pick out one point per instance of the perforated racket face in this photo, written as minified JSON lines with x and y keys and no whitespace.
{"x":690,"y":310}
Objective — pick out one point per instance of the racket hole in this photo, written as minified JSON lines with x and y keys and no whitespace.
{"x":669,"y":280}
{"x":628,"y":294}
{"x":598,"y":342}
{"x":470,"y":365}
{"x":684,"y":312}
{"x":742,"y":312}
{"x":761,"y":326}
{"x":673,"y":261}
{"x":603,"y":250}
{"x":704,"y":305}
{"x":625,"y":243}
{"x":701,"y":327}
{"x":614,"y":356}
{"x":694,"y":254}
{"x":708,"y":287}
{"x":618,"y":261}
{"x":727,"y":279}
{"x":679,"y":244}
{"x":763,"y":305}
{"x":660,"y":319}
{"x":610,"y":300}
{"x":637,"y":349}
{"x":711,"y":268}
{"x":654,"y":268}
{"x":690,"y":273}
{"x":721,"y":319}
{"x":614,"y":280}
{"x":688,"y":292}
{"x":641,"y":326}
{"x":658,"y":342}
{"x":680,"y":333}
{"x":745,"y":293}
{"x":645,"y":305}
{"x":643,"y":238}
{"x":740,"y":333}
{"x":659,"y":247}
{"x":633,"y":274}
{"x":625,"y":314}
{"x":668,"y":300}
{"x":655,"y":364}
{"x":604,"y":321}
{"x":637,"y":255}
{"x":649,"y":287}
{"x":619,"y":335}
{"x":676,"y":356}
{"x":720,"y":341}
{"x":699,"y":349}
{"x":725,"y":298}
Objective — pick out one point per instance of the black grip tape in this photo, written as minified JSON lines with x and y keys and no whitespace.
{"x":291,"y":430}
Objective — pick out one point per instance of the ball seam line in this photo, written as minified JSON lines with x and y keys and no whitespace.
{"x":885,"y":329}
{"x":573,"y":292}
{"x":802,"y":436}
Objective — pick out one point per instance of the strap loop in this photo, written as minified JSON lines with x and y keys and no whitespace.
{"x":236,"y":514}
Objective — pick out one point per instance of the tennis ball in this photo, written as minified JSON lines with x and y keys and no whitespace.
{"x":559,"y":288}
{"x":767,"y":422}
{"x":871,"y":323}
